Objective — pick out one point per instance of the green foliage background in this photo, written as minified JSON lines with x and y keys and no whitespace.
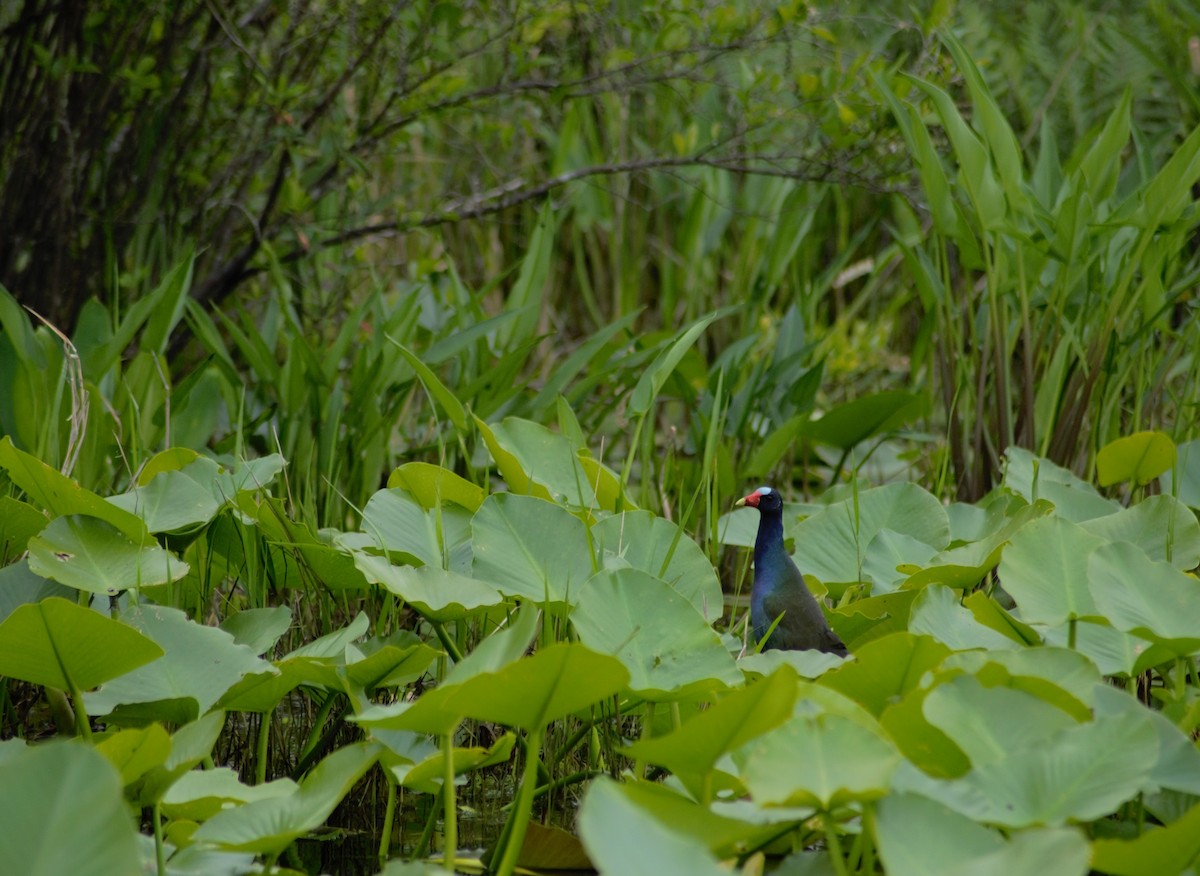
{"x":372,"y":345}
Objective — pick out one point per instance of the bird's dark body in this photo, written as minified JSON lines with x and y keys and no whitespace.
{"x":779,"y":588}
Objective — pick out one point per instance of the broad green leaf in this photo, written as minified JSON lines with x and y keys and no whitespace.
{"x":198,"y":795}
{"x":1034,"y":478}
{"x":175,"y":501}
{"x":549,"y":460}
{"x":136,"y":751}
{"x":855,"y":421}
{"x":623,"y":840}
{"x":534,"y":691}
{"x":988,"y":611}
{"x":19,"y":586}
{"x":427,"y":775}
{"x":660,"y":548}
{"x":919,"y":837}
{"x":437,"y":710}
{"x":531,"y":548}
{"x":937,"y":613}
{"x":989,"y":723}
{"x":399,"y":524}
{"x":727,"y":828}
{"x":664,"y":642}
{"x":830,"y":761}
{"x":1064,"y":678}
{"x":268,"y":826}
{"x":1183,"y":481}
{"x":1045,"y":569}
{"x":1081,"y":774}
{"x":62,"y":811}
{"x":1113,"y":651}
{"x":832,"y":543}
{"x":887,"y":554}
{"x":1178,"y":765}
{"x":1162,"y":526}
{"x":190,"y":744}
{"x":885,"y":669}
{"x":201,"y":663}
{"x":431,"y":485}
{"x":1140,"y":457}
{"x":60,"y":495}
{"x":516,"y":477}
{"x":258,"y":628}
{"x":1150,"y":599}
{"x":725,"y":726}
{"x":92,"y":555}
{"x":434,"y":592}
{"x":19,"y":522}
{"x":651,"y":382}
{"x":1160,"y":850}
{"x":964,"y":566}
{"x":60,"y":644}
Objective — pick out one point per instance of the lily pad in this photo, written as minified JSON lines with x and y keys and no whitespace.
{"x":1045,"y":569}
{"x":37,"y":815}
{"x":90,"y":554}
{"x":1150,"y":599}
{"x":1140,"y":457}
{"x":832,"y":761}
{"x":60,"y":644}
{"x":664,"y":642}
{"x":531,"y":548}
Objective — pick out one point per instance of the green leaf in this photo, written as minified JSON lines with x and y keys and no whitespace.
{"x":885,"y":669}
{"x":531,"y":548}
{"x":432,"y":591}
{"x":62,"y":811}
{"x":444,"y":397}
{"x":1183,"y":481}
{"x":60,"y":495}
{"x":937,"y":613}
{"x":651,"y":382}
{"x":92,"y":555}
{"x":918,"y":837}
{"x":665,"y":643}
{"x":1140,"y":457}
{"x":198,"y":795}
{"x":855,"y":421}
{"x":200,"y":664}
{"x":1170,"y":849}
{"x":621,"y":838}
{"x":1162,"y":526}
{"x":1147,"y":598}
{"x":735,"y":719}
{"x":19,"y":522}
{"x":988,"y":723}
{"x":60,"y":644}
{"x":1045,"y":569}
{"x":258,"y":628}
{"x":832,"y":543}
{"x":431,"y":485}
{"x":437,"y":710}
{"x":1081,"y":774}
{"x":534,"y":691}
{"x":136,"y":751}
{"x":269,"y":826}
{"x":1033,"y":478}
{"x":831,"y":760}
{"x":660,"y":547}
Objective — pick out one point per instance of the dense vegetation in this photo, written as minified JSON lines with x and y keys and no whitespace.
{"x":366,"y":462}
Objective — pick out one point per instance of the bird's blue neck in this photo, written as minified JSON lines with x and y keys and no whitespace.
{"x":770,"y":557}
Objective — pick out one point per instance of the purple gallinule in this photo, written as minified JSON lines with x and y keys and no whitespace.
{"x":779,"y":590}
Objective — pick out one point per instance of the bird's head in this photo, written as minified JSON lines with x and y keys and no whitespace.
{"x":764,"y":499}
